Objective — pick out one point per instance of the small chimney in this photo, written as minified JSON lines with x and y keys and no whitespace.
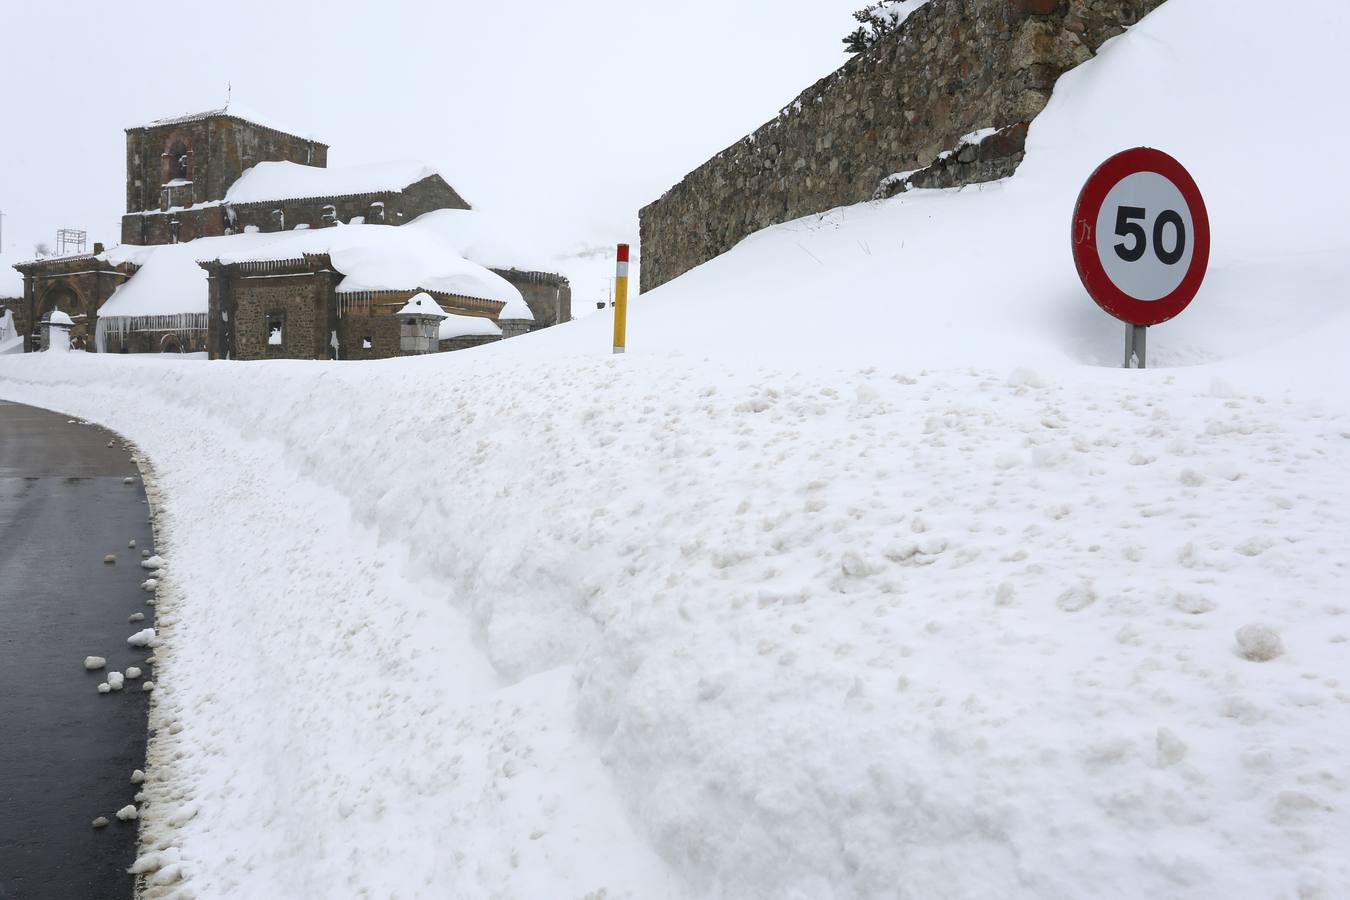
{"x":98,"y":248}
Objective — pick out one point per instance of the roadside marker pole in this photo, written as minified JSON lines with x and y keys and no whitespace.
{"x":621,"y":300}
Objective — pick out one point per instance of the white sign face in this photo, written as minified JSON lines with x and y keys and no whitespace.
{"x":1146,"y":236}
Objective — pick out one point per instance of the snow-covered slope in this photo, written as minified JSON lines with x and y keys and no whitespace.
{"x":862,"y":575}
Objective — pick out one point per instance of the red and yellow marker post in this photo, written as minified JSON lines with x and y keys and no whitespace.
{"x":621,"y":299}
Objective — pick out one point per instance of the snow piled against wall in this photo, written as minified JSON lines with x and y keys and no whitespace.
{"x":862,"y":575}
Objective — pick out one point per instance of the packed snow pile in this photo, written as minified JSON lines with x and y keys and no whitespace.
{"x":865,"y":573}
{"x":10,"y":339}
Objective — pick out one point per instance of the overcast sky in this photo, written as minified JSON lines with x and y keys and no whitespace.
{"x":571,"y":115}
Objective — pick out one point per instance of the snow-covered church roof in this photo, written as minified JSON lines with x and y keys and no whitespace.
{"x":233,"y":110}
{"x":268,"y":181}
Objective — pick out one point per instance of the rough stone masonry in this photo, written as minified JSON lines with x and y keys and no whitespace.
{"x":954,"y":67}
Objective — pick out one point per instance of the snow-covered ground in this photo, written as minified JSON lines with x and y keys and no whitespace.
{"x":863,"y":574}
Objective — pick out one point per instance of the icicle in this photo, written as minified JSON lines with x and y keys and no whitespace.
{"x":182,"y":324}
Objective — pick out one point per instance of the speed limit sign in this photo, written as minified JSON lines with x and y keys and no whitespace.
{"x":1141,"y":239}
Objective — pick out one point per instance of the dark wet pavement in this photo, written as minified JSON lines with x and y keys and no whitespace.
{"x":66,"y":751}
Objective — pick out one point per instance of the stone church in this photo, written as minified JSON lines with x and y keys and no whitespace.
{"x":240,"y":242}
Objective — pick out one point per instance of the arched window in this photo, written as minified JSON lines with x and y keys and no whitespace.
{"x":178,"y":161}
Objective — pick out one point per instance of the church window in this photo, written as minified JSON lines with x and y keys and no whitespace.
{"x":276,"y":331}
{"x":179,"y":155}
{"x":367,"y":343}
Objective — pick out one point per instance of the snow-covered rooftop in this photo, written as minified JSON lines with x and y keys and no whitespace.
{"x":370,"y":257}
{"x":422,"y":305}
{"x":468,"y":326}
{"x":289,"y":181}
{"x":233,"y":110}
{"x":487,"y":239}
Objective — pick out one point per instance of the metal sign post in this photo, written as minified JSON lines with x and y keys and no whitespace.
{"x":1141,"y":242}
{"x":1136,"y":340}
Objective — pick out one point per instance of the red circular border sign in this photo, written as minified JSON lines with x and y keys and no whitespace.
{"x":1090,"y":269}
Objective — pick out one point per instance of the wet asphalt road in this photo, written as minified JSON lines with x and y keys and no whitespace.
{"x":66,"y":751}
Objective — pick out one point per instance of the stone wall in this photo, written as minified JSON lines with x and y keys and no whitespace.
{"x":157,"y":342}
{"x":378,"y":326}
{"x":299,"y":303}
{"x":955,"y":67}
{"x":467,"y":341}
{"x":245,"y":298}
{"x":549,"y":296}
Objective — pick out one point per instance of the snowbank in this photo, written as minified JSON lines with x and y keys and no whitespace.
{"x":863,"y":574}
{"x":10,"y":339}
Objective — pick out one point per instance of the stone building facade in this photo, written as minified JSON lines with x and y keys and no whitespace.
{"x":76,"y":285}
{"x":953,"y":68}
{"x":291,"y":309}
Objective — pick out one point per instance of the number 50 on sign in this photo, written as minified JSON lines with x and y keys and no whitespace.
{"x":1141,"y":237}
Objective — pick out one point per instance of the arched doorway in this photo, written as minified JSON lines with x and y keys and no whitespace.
{"x":58,"y":296}
{"x":170,"y":344}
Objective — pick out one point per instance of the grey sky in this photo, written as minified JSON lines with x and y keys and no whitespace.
{"x":568,"y":115}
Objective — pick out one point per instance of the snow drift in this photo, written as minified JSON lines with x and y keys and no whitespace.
{"x":862,"y":575}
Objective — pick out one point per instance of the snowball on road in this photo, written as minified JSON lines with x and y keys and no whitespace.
{"x":93,"y":663}
{"x":142,"y":638}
